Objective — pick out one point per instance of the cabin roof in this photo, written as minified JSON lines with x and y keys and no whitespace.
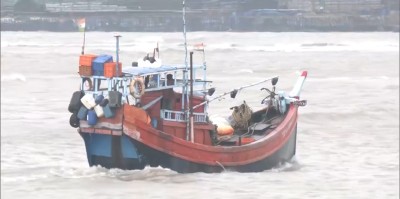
{"x":134,"y":71}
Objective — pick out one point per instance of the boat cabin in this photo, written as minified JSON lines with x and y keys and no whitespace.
{"x":165,"y":97}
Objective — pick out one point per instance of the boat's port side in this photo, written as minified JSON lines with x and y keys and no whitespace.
{"x":112,"y":151}
{"x":284,"y":154}
{"x":158,"y":158}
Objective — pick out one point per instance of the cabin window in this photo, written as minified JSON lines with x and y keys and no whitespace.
{"x":87,"y":84}
{"x":102,"y":85}
{"x":153,"y":81}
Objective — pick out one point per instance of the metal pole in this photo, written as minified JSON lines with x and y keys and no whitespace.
{"x":184,"y":33}
{"x":84,"y":39}
{"x":191,"y":99}
{"x":117,"y":53}
{"x":184,"y":91}
{"x":185,"y":75}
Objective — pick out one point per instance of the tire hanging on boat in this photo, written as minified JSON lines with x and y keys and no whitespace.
{"x":136,"y":87}
{"x":74,"y":120}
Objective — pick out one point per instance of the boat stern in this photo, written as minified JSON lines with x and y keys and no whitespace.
{"x":111,"y":150}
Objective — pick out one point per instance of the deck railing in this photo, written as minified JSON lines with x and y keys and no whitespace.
{"x":179,"y":116}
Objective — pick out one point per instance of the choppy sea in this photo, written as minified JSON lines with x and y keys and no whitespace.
{"x":348,"y":134}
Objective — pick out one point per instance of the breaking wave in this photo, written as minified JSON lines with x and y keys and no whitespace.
{"x":148,"y":174}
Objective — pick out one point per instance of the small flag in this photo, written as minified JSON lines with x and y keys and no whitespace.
{"x":81,"y":24}
{"x":199,"y":47}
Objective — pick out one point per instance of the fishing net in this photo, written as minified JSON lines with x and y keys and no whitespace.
{"x":241,"y":116}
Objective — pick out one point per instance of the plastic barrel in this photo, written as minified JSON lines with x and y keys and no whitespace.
{"x":99,"y":99}
{"x":92,"y":118}
{"x":104,"y":102}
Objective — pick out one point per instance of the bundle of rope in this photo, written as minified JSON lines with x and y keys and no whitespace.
{"x":241,"y":116}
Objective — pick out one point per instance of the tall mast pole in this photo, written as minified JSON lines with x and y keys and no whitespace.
{"x":184,"y":40}
{"x":184,"y":33}
{"x":117,"y":53}
{"x":191,"y":100}
{"x":185,"y":94}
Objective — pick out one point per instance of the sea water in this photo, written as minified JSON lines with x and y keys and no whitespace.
{"x":348,"y":134}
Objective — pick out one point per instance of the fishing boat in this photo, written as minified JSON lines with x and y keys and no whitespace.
{"x":157,"y":115}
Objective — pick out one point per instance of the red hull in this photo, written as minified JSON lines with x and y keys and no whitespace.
{"x":219,"y":156}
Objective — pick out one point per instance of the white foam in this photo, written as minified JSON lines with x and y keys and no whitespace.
{"x":23,"y":178}
{"x":13,"y":77}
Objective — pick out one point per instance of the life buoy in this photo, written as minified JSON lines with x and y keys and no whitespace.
{"x":89,"y":84}
{"x":136,"y":87}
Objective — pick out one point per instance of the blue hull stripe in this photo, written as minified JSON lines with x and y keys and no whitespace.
{"x":128,"y":149}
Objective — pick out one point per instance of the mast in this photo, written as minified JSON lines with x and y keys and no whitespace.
{"x":185,"y":92}
{"x":184,"y":33}
{"x":191,"y":99}
{"x":117,"y":52}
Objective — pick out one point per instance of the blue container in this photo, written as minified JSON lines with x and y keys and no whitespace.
{"x":98,"y":63}
{"x":91,"y":118}
{"x":82,"y":114}
{"x":98,"y":73}
{"x":154,"y":122}
{"x":99,"y":99}
{"x":108,"y":111}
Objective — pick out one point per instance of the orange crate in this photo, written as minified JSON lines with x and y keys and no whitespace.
{"x":86,"y":60}
{"x":246,"y":140}
{"x":111,"y":71}
{"x":85,"y":70}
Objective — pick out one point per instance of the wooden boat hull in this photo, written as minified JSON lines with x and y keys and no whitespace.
{"x":162,"y":149}
{"x":112,"y":151}
{"x":123,"y":152}
{"x":158,"y":158}
{"x":138,"y":144}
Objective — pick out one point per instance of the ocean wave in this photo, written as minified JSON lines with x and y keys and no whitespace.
{"x":350,"y":79}
{"x":296,"y":47}
{"x":292,"y":165}
{"x":147,"y":44}
{"x":38,"y":45}
{"x":73,"y":172}
{"x":156,"y":174}
{"x":13,"y":77}
{"x":147,"y":39}
{"x":147,"y":174}
{"x":322,"y":44}
{"x":33,"y":177}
